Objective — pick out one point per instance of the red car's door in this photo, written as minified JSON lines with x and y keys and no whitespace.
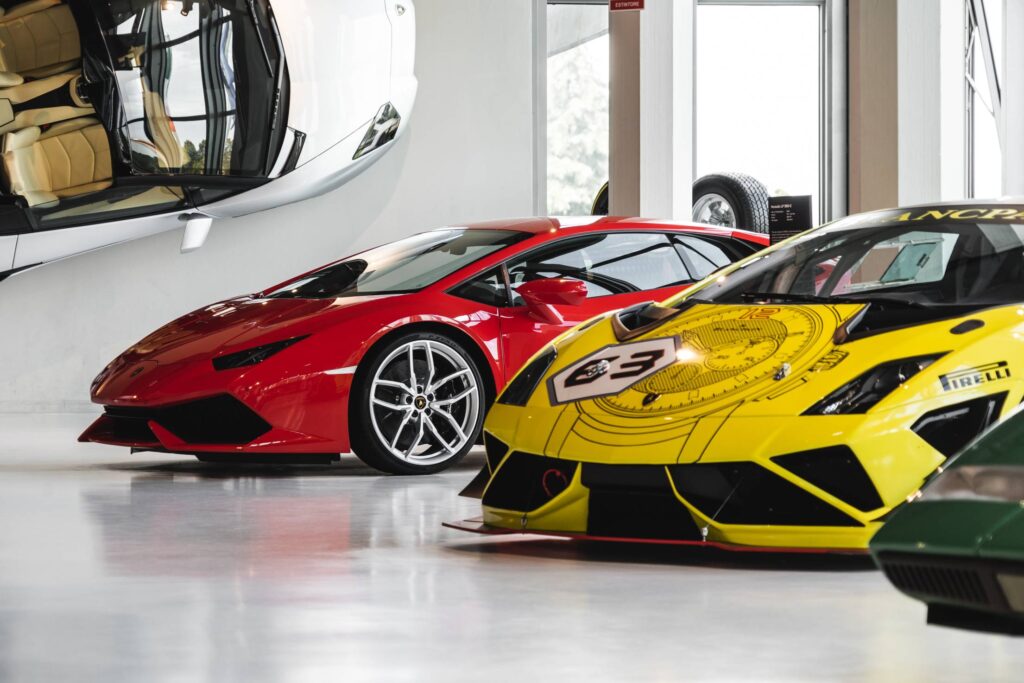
{"x":618,"y":268}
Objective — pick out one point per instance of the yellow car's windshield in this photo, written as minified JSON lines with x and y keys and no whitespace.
{"x":935,"y":264}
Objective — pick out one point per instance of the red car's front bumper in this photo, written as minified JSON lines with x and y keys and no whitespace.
{"x":267,"y":422}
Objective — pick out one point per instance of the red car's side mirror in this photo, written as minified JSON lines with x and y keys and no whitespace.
{"x":542,"y":295}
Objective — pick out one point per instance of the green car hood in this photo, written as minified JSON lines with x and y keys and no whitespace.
{"x":953,"y":527}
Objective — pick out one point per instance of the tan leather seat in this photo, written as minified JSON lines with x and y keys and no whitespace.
{"x":43,"y":102}
{"x":70,"y":159}
{"x":39,"y":38}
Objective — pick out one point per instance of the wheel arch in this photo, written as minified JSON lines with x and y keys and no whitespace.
{"x":466,"y":340}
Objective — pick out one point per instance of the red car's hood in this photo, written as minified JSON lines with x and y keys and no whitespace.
{"x":237,"y":324}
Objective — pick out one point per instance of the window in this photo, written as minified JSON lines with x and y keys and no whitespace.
{"x":200,"y":82}
{"x":577,"y":106}
{"x":761,"y":68}
{"x":608,"y":264}
{"x":404,"y":266}
{"x":701,"y":256}
{"x":488,"y":289}
{"x":911,"y":258}
{"x":113,"y":204}
{"x":984,"y":156}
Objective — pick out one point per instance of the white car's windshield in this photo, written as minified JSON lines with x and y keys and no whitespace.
{"x":404,"y":266}
{"x":200,"y":83}
{"x":933,"y":263}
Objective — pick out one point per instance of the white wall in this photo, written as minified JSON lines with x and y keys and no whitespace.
{"x":467,"y":156}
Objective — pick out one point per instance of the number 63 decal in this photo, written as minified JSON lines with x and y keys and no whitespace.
{"x":612,"y":370}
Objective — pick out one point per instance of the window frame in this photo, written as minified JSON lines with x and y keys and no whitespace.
{"x":86,"y":220}
{"x":833,"y":116}
{"x":978,"y":39}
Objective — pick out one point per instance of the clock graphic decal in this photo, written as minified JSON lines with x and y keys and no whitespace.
{"x":726,"y":355}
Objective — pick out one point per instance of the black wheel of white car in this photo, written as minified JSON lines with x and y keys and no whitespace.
{"x":417,"y":405}
{"x":731,"y":200}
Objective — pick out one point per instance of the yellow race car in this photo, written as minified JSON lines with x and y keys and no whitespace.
{"x":789,"y":401}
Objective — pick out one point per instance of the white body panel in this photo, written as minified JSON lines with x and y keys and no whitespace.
{"x":321,"y":174}
{"x":339,"y":64}
{"x":326,"y":162}
{"x":35,"y":248}
{"x":8,"y":246}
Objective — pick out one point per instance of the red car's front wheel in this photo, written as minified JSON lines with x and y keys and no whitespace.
{"x":417,"y":405}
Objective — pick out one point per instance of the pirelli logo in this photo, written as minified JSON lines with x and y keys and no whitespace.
{"x":972,"y":377}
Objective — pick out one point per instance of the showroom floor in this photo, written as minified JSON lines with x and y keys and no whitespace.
{"x":143,"y":568}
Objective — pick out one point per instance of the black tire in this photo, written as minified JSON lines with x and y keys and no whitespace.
{"x":363,"y":427}
{"x":600,"y":205}
{"x":747,"y":196}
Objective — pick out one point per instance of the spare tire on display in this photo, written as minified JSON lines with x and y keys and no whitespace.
{"x":733,"y":200}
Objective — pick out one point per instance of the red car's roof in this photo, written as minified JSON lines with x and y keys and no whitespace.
{"x":540,"y":225}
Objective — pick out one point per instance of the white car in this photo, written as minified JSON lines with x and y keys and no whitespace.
{"x":125,"y":118}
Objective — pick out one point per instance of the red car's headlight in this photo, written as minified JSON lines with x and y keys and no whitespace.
{"x":253,"y":356}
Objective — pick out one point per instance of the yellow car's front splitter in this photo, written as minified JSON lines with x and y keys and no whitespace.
{"x":476,"y":525}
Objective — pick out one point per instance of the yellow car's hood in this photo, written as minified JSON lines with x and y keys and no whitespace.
{"x":754,"y":360}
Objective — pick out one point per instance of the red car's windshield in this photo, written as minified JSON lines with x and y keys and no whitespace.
{"x":404,"y":266}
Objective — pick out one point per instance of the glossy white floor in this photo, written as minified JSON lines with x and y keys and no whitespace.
{"x":139,"y":568}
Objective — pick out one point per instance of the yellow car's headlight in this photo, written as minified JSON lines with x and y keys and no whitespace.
{"x":864,"y":392}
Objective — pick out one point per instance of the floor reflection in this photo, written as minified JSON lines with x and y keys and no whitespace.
{"x":193,"y":519}
{"x":145,"y":568}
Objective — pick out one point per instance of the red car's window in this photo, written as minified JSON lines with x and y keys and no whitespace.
{"x":609,"y":263}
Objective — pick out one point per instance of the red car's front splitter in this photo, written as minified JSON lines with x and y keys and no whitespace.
{"x":477,"y":526}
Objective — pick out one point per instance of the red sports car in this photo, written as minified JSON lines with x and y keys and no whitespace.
{"x":393,"y":353}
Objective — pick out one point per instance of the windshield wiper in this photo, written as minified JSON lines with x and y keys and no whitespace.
{"x":883,"y":301}
{"x":791,"y":297}
{"x":814,"y":299}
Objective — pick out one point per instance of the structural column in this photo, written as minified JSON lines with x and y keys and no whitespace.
{"x":874,"y":110}
{"x":651,"y":110}
{"x":906,"y":80}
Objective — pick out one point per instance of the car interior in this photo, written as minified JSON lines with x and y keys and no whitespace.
{"x":52,"y":145}
{"x":82,"y":104}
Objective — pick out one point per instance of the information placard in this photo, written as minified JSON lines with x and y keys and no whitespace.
{"x":789,"y":216}
{"x":625,"y":5}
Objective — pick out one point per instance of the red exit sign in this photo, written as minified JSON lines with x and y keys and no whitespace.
{"x":624,"y":5}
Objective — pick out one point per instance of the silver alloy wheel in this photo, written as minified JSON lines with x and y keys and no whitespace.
{"x":424,"y":402}
{"x":714,"y":209}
